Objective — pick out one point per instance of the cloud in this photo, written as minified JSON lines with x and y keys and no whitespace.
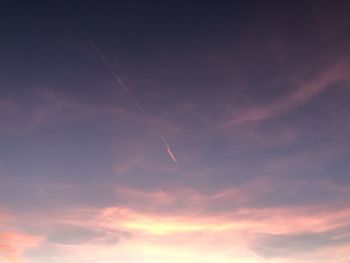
{"x":175,"y":226}
{"x":248,"y":234}
{"x":271,"y":246}
{"x":190,"y":199}
{"x":14,"y":244}
{"x":47,"y":107}
{"x":307,"y":89}
{"x":68,"y":234}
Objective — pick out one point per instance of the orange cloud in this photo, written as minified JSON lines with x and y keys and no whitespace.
{"x":192,"y":234}
{"x":193,"y":237}
{"x":13,"y":244}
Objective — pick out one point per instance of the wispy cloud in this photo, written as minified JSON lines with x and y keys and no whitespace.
{"x":115,"y":233}
{"x":307,"y":89}
{"x":14,"y":244}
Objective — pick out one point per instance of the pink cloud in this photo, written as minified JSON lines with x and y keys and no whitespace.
{"x":193,"y":232}
{"x":14,"y":244}
{"x":307,"y":90}
{"x":46,"y":107}
{"x":188,"y":236}
{"x":178,"y":200}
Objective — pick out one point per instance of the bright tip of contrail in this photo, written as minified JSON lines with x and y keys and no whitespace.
{"x":171,"y":154}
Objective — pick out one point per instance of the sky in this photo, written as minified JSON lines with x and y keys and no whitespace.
{"x":188,"y":131}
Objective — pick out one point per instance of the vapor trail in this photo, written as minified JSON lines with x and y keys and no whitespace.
{"x":171,"y":154}
{"x":125,"y":88}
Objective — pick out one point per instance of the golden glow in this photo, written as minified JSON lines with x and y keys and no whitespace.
{"x":128,"y":235}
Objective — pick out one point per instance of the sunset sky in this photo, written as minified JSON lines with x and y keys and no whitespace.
{"x":227,"y":140}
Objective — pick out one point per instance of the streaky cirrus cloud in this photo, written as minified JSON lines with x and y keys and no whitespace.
{"x":306,"y":89}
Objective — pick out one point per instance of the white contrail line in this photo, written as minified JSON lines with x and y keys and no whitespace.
{"x":171,"y":153}
{"x":106,"y":62}
{"x":126,"y":89}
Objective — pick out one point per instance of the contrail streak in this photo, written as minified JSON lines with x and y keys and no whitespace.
{"x":125,"y":88}
{"x":171,"y":154}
